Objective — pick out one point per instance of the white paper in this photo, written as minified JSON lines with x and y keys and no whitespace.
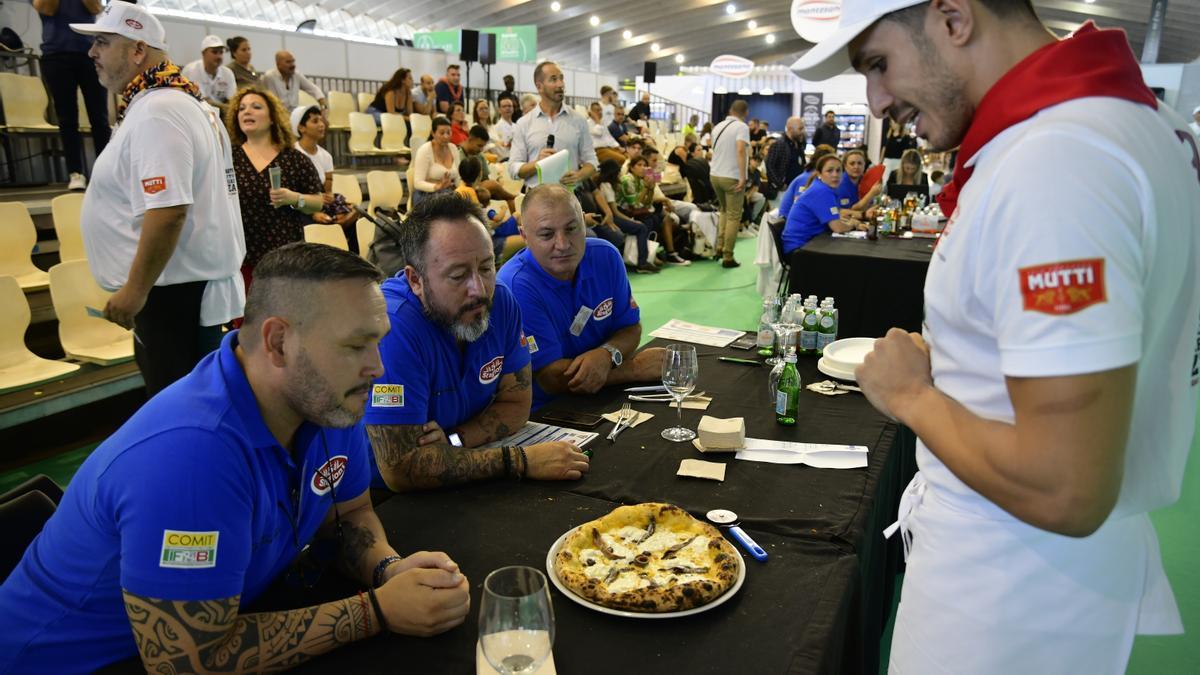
{"x":852,"y":234}
{"x":817,"y":455}
{"x":697,"y":334}
{"x":552,"y":169}
{"x":536,"y":432}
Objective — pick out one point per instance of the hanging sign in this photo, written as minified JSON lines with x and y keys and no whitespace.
{"x":816,"y":20}
{"x":729,"y":65}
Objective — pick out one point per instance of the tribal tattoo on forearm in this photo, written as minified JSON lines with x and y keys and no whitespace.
{"x":407,"y":466}
{"x":210,"y":637}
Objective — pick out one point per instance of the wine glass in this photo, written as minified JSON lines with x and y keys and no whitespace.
{"x":772,"y":313}
{"x":516,"y":620}
{"x":679,"y":370}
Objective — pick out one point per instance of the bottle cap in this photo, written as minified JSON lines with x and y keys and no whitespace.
{"x":790,"y":358}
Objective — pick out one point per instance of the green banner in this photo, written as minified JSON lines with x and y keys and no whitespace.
{"x":513,"y":43}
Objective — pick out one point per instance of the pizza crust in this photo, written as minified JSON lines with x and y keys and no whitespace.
{"x":648,"y":557}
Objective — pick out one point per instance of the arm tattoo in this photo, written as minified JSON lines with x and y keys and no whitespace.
{"x":209,"y":636}
{"x":490,"y":420}
{"x":407,"y":466}
{"x":357,"y":540}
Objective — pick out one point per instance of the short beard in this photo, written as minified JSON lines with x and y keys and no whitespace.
{"x":450,"y":322}
{"x":310,"y":395}
{"x":947,"y":91}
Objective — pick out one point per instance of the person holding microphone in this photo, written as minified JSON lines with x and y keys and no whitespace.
{"x":551,"y":127}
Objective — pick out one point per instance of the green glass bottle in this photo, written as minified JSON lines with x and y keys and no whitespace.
{"x":787,"y":397}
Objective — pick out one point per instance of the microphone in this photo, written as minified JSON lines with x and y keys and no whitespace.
{"x":550,"y":141}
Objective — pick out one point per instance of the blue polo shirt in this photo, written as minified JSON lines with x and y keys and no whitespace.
{"x":425,"y":374}
{"x":191,"y":499}
{"x":549,"y":306}
{"x":847,"y":192}
{"x":809,"y":215}
{"x":794,"y":189}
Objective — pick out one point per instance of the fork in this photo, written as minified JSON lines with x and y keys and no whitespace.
{"x":623,"y":417}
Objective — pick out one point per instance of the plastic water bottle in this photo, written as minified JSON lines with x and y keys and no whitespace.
{"x":787,"y":397}
{"x":826,"y":328}
{"x":766,"y":334}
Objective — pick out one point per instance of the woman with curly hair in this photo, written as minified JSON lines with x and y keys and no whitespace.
{"x":262,"y":137}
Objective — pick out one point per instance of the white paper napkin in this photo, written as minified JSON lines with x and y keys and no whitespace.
{"x":638,"y":418}
{"x":698,"y":468}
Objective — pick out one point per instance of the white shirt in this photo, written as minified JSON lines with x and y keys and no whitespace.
{"x":427,"y":171}
{"x":606,"y":113}
{"x":288,"y":91}
{"x":1195,"y":128}
{"x":600,"y":136}
{"x":219,"y":87}
{"x":725,"y":143}
{"x":169,"y":150}
{"x":1094,"y":200}
{"x":501,"y":133}
{"x":570,"y":131}
{"x":320,"y":159}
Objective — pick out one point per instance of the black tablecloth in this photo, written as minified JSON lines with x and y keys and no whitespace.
{"x":877,"y":284}
{"x":818,"y":605}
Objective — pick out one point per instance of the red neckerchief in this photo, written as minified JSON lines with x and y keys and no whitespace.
{"x":1091,"y":62}
{"x":456,"y":93}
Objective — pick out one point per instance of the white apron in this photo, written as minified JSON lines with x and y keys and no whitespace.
{"x":987,"y":594}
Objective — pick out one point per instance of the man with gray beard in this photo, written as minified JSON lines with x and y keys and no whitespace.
{"x":456,"y":364}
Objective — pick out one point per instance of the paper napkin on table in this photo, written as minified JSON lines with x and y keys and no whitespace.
{"x":698,"y":468}
{"x":700,"y":446}
{"x":639,"y":417}
{"x":721,"y":434}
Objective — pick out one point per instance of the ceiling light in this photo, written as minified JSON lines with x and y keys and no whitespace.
{"x":679,"y":58}
{"x":595,"y":20}
{"x":720,"y":90}
{"x":730,"y":8}
{"x":627,"y":34}
{"x":771,"y":39}
{"x":654,"y":47}
{"x":752,"y":24}
{"x":745,"y":91}
{"x":554,"y":6}
{"x":767,"y":92}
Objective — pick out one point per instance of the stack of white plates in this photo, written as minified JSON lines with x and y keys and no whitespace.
{"x":842,"y":357}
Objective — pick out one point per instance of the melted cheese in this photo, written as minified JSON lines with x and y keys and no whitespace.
{"x":628,"y":581}
{"x":618,"y":548}
{"x":630,"y":533}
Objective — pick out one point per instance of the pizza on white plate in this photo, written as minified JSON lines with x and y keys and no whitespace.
{"x":647,"y":558}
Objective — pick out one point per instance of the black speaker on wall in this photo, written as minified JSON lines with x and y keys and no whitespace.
{"x":487,"y":48}
{"x":468,"y":41}
{"x":649,"y":72}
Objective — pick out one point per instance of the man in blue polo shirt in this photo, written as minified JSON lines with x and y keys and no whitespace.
{"x":456,"y":366}
{"x":213,"y":488}
{"x":582,"y":324}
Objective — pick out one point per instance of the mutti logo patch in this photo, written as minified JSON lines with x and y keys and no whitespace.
{"x":329,"y":475}
{"x":603,"y":311}
{"x":132,"y":23}
{"x":491,"y":370}
{"x":1063,"y":287}
{"x":154,"y":185}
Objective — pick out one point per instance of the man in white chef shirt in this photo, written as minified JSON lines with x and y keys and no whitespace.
{"x":1055,"y":390}
{"x":161,"y":223}
{"x":217,"y":83}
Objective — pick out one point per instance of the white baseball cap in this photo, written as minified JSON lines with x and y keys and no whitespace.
{"x":829,"y":57}
{"x":211,"y":42}
{"x":129,"y":21}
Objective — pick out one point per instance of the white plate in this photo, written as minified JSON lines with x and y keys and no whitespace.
{"x":824,"y":366}
{"x":848,"y":353}
{"x":637,"y":615}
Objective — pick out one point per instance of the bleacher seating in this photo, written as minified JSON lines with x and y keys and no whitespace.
{"x":306,"y":100}
{"x":385,"y":189}
{"x":362,"y":137}
{"x":422,"y":125}
{"x":24,"y":100}
{"x":364,"y":231}
{"x":66,"y":210}
{"x":395,"y":133}
{"x":364,"y":101}
{"x":341,"y":105}
{"x":85,"y":337}
{"x":20,"y":367}
{"x":17,"y":240}
{"x":330,"y":235}
{"x":347,"y":185}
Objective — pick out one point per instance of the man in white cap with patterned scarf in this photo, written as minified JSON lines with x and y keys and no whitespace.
{"x":161,"y":222}
{"x":1054,"y":391}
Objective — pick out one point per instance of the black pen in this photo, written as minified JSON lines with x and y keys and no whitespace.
{"x":744,"y":362}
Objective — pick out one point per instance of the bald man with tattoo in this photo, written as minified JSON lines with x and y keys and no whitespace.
{"x":456,"y":364}
{"x":212,"y":491}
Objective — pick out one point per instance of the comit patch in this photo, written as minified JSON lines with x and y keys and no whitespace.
{"x":188,"y":550}
{"x":387,"y":396}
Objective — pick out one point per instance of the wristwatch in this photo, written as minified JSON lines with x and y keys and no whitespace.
{"x":617,"y":358}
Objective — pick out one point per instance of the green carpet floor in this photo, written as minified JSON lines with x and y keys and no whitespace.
{"x":708,"y":294}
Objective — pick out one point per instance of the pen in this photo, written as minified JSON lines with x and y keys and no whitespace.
{"x":745,"y":362}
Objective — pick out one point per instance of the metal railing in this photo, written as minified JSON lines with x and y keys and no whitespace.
{"x":673,"y":113}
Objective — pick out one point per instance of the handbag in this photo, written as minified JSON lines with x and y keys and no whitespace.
{"x":630,"y":252}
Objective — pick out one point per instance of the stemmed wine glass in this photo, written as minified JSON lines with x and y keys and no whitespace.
{"x":679,"y":370}
{"x":516,"y":620}
{"x":777,"y":303}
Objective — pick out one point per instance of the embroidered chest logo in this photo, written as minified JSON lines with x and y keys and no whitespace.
{"x":153,"y":186}
{"x":329,"y":475}
{"x":491,"y":370}
{"x":604,"y":310}
{"x":1063,"y":287}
